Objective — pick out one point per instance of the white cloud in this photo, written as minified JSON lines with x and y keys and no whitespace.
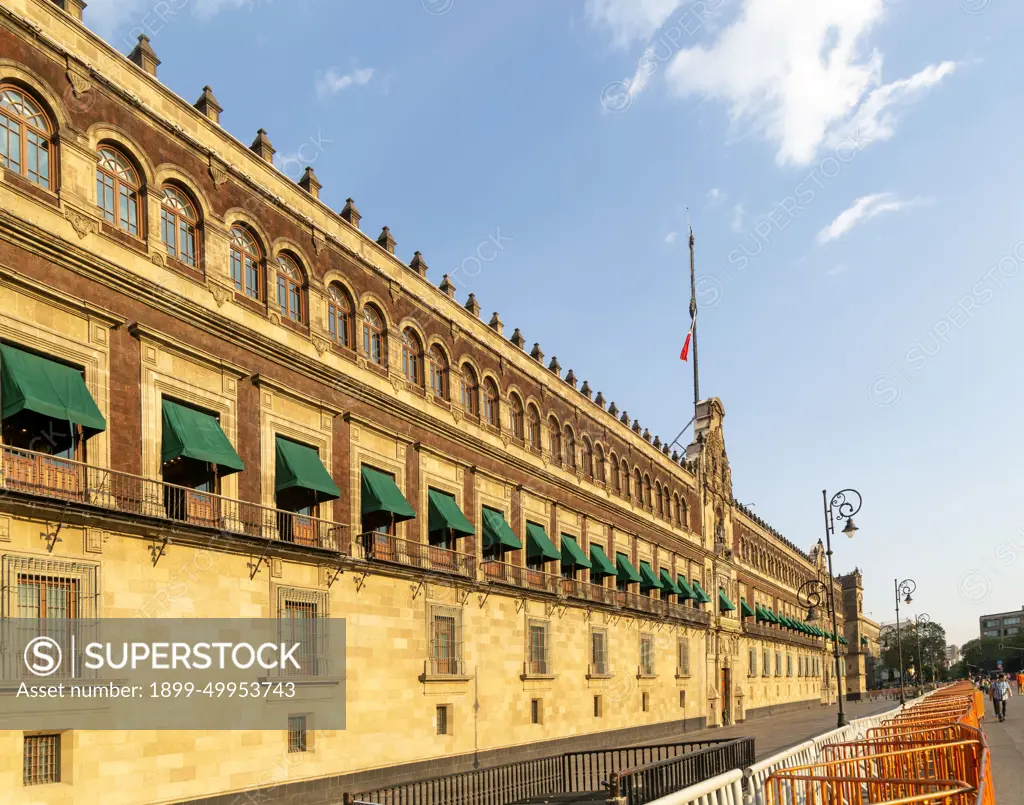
{"x":107,"y":17}
{"x":864,"y":209}
{"x":715,"y":196}
{"x":738,"y":215}
{"x":798,"y":72}
{"x":670,"y":238}
{"x":332,"y":81}
{"x":629,"y":21}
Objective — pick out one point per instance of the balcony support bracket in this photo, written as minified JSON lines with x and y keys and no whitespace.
{"x":361,"y":580}
{"x":254,"y":567}
{"x":52,"y":538}
{"x":520,"y":604}
{"x":337,"y":572}
{"x":462,"y":595}
{"x":551,"y":608}
{"x":482,"y":597}
{"x":159,"y":548}
{"x":417,"y":588}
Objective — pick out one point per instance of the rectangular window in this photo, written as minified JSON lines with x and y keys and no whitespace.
{"x":683,"y":660}
{"x":41,"y":762}
{"x":778,"y":663}
{"x":105,"y":197}
{"x":598,"y":706}
{"x":296,"y":733}
{"x":446,"y":641}
{"x":682,"y":699}
{"x":167,"y":232}
{"x":236,"y":269}
{"x":766,"y":664}
{"x":752,"y":670}
{"x":442,"y":719}
{"x":647,"y":654}
{"x":599,"y":651}
{"x":645,"y":702}
{"x":301,"y":616}
{"x":536,"y":711}
{"x":538,"y":648}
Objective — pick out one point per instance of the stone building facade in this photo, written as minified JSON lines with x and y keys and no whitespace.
{"x":523,"y":569}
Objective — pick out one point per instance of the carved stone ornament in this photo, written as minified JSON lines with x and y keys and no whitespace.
{"x":319,"y":242}
{"x":361,"y":362}
{"x":321,"y":344}
{"x":505,"y":440}
{"x":82,"y":224}
{"x":456,"y":413}
{"x":396,"y":382}
{"x":220,"y":293}
{"x":455,"y":331}
{"x":157,"y":258}
{"x":217,"y":172}
{"x":80,"y":84}
{"x":275,"y":318}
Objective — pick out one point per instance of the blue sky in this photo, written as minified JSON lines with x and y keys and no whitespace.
{"x":852,"y":171}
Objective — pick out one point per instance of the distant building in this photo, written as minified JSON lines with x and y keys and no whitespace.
{"x":952,"y":655}
{"x":1001,"y":624}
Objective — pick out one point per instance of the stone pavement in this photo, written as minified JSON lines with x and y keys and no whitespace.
{"x":773,"y":734}
{"x":1006,"y":741}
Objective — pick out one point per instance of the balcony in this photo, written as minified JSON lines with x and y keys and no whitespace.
{"x":691,"y":615}
{"x":378,"y":547}
{"x":585,"y":591}
{"x":72,"y":482}
{"x":522,"y":577}
{"x":782,"y":635}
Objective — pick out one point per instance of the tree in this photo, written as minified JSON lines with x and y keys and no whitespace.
{"x":925,"y":646}
{"x":985,"y":653}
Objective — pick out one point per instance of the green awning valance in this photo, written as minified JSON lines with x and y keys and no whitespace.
{"x":668,"y":584}
{"x":32,"y":383}
{"x":685,"y":590}
{"x":724,"y":604}
{"x":625,"y":570}
{"x":648,"y":578}
{"x":863,"y":641}
{"x":190,"y":433}
{"x":382,"y":495}
{"x":745,"y":609}
{"x":299,"y":467}
{"x":762,"y":616}
{"x":538,"y":544}
{"x":499,"y":532}
{"x":602,"y":564}
{"x":702,"y":597}
{"x":572,"y":553}
{"x":818,"y":631}
{"x":843,"y":641}
{"x":445,"y":515}
{"x":772,"y":617}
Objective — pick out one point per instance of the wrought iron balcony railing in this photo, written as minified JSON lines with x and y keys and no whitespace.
{"x":585,"y":591}
{"x":73,"y":482}
{"x":524,"y":577}
{"x":387,"y":548}
{"x":782,"y":635}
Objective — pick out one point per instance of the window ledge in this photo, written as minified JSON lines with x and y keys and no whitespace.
{"x":445,"y":678}
{"x":682,"y":676}
{"x":526,"y":677}
{"x":600,"y":676}
{"x":646,"y":676}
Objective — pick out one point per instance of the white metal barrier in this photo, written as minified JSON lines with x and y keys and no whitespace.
{"x":725,"y":789}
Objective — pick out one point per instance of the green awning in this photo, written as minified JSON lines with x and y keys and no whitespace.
{"x":668,"y":584}
{"x":863,"y":641}
{"x":724,"y":604}
{"x":772,"y":617}
{"x":803,"y":627}
{"x":602,"y":564}
{"x":843,"y":641}
{"x":382,"y":495}
{"x":685,"y":588}
{"x":745,"y":609}
{"x":626,"y":572}
{"x":539,"y":545}
{"x":648,"y":578}
{"x":445,"y":515}
{"x":190,"y":433}
{"x":762,"y":616}
{"x":299,"y":467}
{"x":32,"y":383}
{"x":702,"y":597}
{"x":499,"y":532}
{"x":818,"y":631}
{"x":572,"y":553}
{"x":787,"y":622}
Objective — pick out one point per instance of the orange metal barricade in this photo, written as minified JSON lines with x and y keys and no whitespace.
{"x":933,"y":751}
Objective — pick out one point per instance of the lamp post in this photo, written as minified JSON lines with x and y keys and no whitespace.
{"x":842,"y":506}
{"x":810,"y":596}
{"x":903,"y":588}
{"x":922,"y":620}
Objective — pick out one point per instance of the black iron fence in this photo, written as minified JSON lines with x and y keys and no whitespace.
{"x":646,"y":783}
{"x":636,"y":772}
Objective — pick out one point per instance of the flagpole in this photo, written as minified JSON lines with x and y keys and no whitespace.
{"x":693,"y":319}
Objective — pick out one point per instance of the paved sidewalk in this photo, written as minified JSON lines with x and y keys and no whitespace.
{"x":1006,"y":741}
{"x":773,"y":734}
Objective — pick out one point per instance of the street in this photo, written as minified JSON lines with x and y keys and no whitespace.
{"x":1007,"y":744}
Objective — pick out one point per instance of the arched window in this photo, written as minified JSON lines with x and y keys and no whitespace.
{"x":675,"y":510}
{"x":555,"y":440}
{"x":178,"y":225}
{"x":638,"y":486}
{"x":492,"y":408}
{"x":289,"y":289}
{"x":533,"y":426}
{"x":339,"y":315}
{"x":588,"y":458}
{"x":26,"y":137}
{"x":246,"y":262}
{"x":515,"y":416}
{"x":624,"y":472}
{"x":470,"y":391}
{"x":599,"y":463}
{"x":373,"y":336}
{"x":570,"y":448}
{"x":118,"y":190}
{"x":412,"y":357}
{"x":658,"y":498}
{"x":648,"y":498}
{"x":438,"y":372}
{"x":616,"y":477}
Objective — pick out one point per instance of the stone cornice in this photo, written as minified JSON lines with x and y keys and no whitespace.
{"x":144,"y":333}
{"x":12,"y":279}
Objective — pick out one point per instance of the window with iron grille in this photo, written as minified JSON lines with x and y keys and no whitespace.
{"x":446,"y":641}
{"x":766,"y":663}
{"x":683,"y":660}
{"x":47,"y":588}
{"x":41,"y":762}
{"x":752,"y":670}
{"x":442,"y":719}
{"x":647,"y":654}
{"x":537,"y":648}
{"x":599,"y":651}
{"x":302,"y":618}
{"x":296,"y":733}
{"x":536,"y":711}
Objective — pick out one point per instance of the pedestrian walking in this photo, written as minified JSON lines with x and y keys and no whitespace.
{"x":1020,"y":682}
{"x":1001,"y":691}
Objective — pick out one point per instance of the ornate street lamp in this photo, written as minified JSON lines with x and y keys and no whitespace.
{"x":903,"y":589}
{"x":842,"y":506}
{"x":922,"y":620}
